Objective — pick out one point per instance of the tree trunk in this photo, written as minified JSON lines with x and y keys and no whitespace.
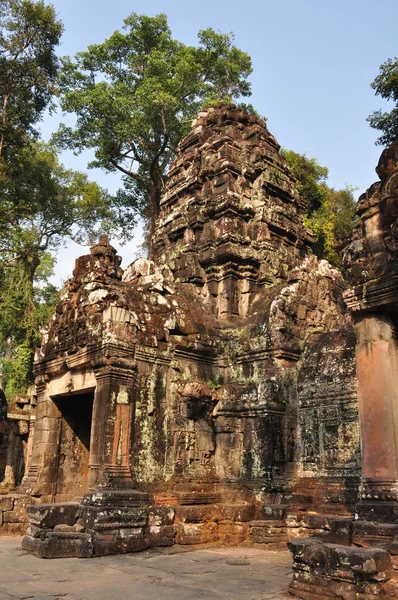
{"x":153,"y":212}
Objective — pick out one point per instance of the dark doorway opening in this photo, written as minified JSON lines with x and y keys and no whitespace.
{"x":74,"y":430}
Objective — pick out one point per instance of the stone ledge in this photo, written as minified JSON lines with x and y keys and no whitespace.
{"x":335,"y":571}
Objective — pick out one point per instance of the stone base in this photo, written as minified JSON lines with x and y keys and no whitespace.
{"x":119,"y":521}
{"x":13,"y":516}
{"x":57,"y":545}
{"x":336,"y":572}
{"x":351,"y":560}
{"x":319,"y":588}
{"x":381,"y":512}
{"x":106,"y":522}
{"x":366,"y":534}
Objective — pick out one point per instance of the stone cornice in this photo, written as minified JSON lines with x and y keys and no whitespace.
{"x":370,"y":296}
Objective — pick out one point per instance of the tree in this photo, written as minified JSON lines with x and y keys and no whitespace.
{"x":24,"y":309}
{"x":333,"y":223}
{"x":311,"y":178}
{"x":29,"y":34}
{"x":134,"y":97}
{"x":386,"y":86}
{"x":330,"y":213}
{"x":41,"y":202}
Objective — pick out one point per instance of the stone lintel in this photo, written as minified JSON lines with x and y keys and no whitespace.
{"x":381,"y":293}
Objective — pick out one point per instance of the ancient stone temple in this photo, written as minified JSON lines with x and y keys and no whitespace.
{"x":358,"y":559}
{"x":209,"y":395}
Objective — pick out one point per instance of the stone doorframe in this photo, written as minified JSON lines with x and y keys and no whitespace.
{"x":110,"y":437}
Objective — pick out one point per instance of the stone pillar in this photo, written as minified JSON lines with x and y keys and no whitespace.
{"x":29,"y":447}
{"x":40,"y":479}
{"x":377,"y":372}
{"x":111,"y":430}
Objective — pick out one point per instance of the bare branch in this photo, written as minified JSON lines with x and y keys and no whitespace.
{"x":125,"y":171}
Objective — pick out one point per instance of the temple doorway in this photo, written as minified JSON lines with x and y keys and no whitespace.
{"x":74,"y":428}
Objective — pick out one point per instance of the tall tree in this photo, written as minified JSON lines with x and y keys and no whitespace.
{"x":310,"y":178}
{"x":134,"y":97}
{"x":330,"y":213}
{"x":41,"y":203}
{"x":386,"y":86}
{"x":29,"y":34}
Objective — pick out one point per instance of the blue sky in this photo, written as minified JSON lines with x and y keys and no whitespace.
{"x":313,"y":64}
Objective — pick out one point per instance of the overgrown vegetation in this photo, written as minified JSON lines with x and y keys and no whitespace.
{"x":386,"y":86}
{"x":42,"y":203}
{"x":330,"y":213}
{"x":24,"y":308}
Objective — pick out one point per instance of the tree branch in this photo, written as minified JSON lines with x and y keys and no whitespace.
{"x":125,"y":171}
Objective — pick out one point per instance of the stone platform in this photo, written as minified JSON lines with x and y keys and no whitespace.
{"x":213,"y":574}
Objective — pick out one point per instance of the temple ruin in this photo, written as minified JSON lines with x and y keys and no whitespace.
{"x":210,"y":396}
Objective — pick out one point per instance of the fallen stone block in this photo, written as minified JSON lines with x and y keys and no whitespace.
{"x":49,"y":515}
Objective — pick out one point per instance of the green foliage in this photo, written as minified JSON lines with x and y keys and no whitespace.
{"x":24,"y":308}
{"x":216,"y":383}
{"x":333,"y":223}
{"x":311,"y":178}
{"x":386,"y":86}
{"x":41,"y":202}
{"x":29,"y":33}
{"x":330,"y":213}
{"x":135,"y":95}
{"x":213,"y":385}
{"x":16,"y":326}
{"x":17,"y":371}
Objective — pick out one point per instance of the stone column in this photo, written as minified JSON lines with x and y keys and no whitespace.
{"x":40,"y":479}
{"x":376,"y":357}
{"x":109,"y":464}
{"x":29,"y":447}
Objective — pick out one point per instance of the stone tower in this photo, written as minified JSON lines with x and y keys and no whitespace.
{"x":231,"y":220}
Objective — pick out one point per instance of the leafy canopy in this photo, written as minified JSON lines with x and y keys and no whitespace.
{"x":134,"y":97}
{"x":386,"y":86}
{"x":41,"y":202}
{"x":29,"y":33}
{"x":330,"y":213}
